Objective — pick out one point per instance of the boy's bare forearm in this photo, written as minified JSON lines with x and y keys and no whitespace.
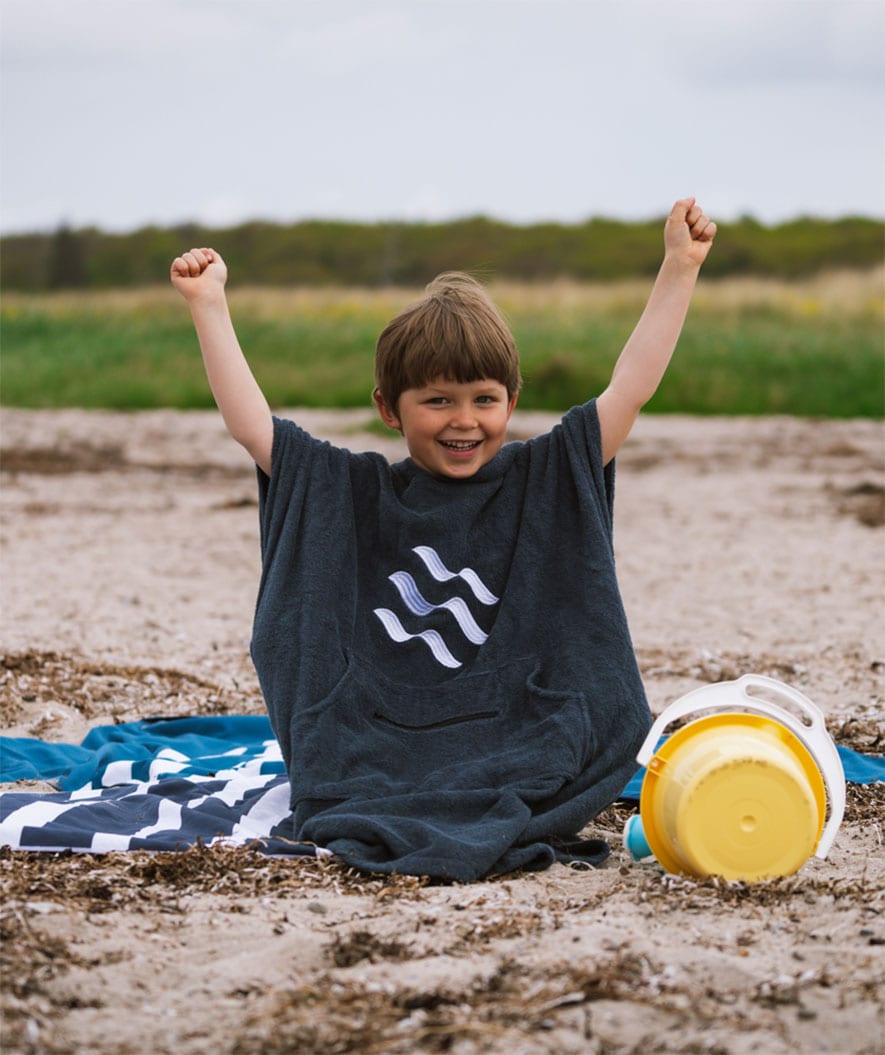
{"x":200,"y":276}
{"x":647,"y":354}
{"x":688,"y":235}
{"x":239,"y":398}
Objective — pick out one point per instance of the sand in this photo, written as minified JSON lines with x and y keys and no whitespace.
{"x":130,"y":564}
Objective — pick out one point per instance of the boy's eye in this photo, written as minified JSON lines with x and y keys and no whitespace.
{"x":440,"y":401}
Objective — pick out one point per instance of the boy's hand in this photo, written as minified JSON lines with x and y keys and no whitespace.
{"x":688,"y":233}
{"x":199,"y":273}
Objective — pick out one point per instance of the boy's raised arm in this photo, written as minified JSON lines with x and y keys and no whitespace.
{"x":688,"y":235}
{"x":199,"y":276}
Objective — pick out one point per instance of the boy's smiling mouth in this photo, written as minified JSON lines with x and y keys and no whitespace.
{"x":460,"y":445}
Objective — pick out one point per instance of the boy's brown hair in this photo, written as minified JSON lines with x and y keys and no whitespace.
{"x":455,"y":332}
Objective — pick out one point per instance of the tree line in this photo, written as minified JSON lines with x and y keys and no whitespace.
{"x":319,"y":252}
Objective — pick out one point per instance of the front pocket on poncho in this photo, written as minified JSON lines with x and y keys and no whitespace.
{"x":375,"y":738}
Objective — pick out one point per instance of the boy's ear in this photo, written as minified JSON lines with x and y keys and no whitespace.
{"x":388,"y":416}
{"x":512,"y":405}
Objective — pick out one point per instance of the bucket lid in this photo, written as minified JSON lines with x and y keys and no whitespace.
{"x":733,"y":794}
{"x":755,"y":693}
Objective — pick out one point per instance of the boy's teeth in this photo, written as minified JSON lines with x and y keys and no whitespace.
{"x":460,"y":445}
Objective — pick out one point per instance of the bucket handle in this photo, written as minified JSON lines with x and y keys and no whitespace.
{"x":814,"y":735}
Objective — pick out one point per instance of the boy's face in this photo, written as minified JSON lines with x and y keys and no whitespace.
{"x":451,"y":428}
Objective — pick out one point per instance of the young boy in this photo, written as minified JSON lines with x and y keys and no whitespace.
{"x":441,"y":642}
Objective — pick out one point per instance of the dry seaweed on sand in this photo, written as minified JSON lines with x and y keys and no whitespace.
{"x":510,"y":1005}
{"x":692,"y":894}
{"x":859,"y":734}
{"x":99,"y":882}
{"x":361,"y":946}
{"x":31,"y":960}
{"x":112,"y":691}
{"x":336,"y":1014}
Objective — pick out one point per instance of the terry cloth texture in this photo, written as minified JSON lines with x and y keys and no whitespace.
{"x":446,"y":663}
{"x":162,"y":785}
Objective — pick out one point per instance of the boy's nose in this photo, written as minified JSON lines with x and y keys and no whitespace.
{"x":463,"y":416}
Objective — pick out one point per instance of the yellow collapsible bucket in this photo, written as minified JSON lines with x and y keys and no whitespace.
{"x":741,"y":792}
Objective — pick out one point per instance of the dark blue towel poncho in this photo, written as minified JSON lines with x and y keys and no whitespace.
{"x":446,"y":663}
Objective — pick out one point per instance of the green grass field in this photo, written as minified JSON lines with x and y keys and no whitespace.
{"x":811,"y":348}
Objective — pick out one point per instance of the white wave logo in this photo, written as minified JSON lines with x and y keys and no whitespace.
{"x":433,"y":639}
{"x":418,"y":605}
{"x":442,"y":574}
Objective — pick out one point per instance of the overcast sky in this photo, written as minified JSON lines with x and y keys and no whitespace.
{"x":120,"y":113}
